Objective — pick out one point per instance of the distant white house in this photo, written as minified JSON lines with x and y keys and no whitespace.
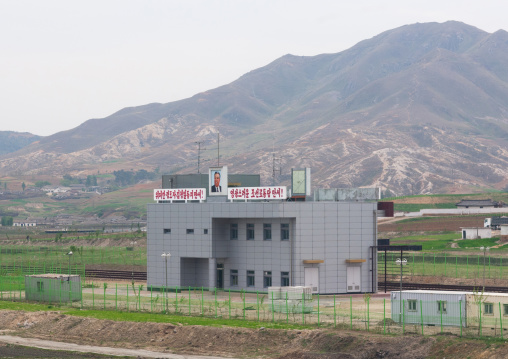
{"x":51,"y":190}
{"x":24,"y":224}
{"x":476,"y":232}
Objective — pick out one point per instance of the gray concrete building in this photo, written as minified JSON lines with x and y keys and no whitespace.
{"x":328,"y":245}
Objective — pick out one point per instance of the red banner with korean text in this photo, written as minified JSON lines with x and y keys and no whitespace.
{"x":257,"y":192}
{"x":179,"y":194}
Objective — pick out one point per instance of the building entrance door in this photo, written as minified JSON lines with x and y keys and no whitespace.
{"x":220,"y":276}
{"x":354,"y":278}
{"x":312,"y":278}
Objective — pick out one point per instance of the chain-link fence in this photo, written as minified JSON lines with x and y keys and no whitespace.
{"x":357,"y":312}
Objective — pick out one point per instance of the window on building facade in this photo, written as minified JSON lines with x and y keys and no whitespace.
{"x":205,"y":231}
{"x":233,"y":231}
{"x":190,"y":231}
{"x":267,"y":231}
{"x":441,"y":306}
{"x":411,"y":304}
{"x":250,"y":231}
{"x":284,"y":231}
{"x":250,"y":278}
{"x":505,"y":309}
{"x":167,"y":230}
{"x":267,"y":279}
{"x":234,"y":277}
{"x":284,"y":279}
{"x":488,"y":308}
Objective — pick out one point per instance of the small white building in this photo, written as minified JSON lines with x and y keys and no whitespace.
{"x":449,"y":308}
{"x":476,"y":232}
{"x":432,"y":307}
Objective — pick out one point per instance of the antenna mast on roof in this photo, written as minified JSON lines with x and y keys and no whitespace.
{"x":199,"y":151}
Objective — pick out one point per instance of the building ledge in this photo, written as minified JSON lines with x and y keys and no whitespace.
{"x":313,"y":261}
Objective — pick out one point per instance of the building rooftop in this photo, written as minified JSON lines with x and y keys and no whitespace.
{"x":477,"y":203}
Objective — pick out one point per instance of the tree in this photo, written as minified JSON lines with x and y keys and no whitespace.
{"x":23,"y":186}
{"x":7,"y":221}
{"x":91,"y":180}
{"x":40,"y":184}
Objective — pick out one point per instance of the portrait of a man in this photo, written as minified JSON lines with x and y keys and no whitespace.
{"x":216,"y":182}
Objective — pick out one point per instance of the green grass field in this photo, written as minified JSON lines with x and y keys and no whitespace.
{"x":54,"y":259}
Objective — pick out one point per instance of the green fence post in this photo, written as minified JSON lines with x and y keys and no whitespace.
{"x":104,"y":301}
{"x":202,"y":301}
{"x":244,"y":294}
{"x":273,"y":311}
{"x":421,"y":314}
{"x":189,"y":302}
{"x":467,"y":266}
{"x":351,"y":311}
{"x":489,"y":267}
{"x":460,"y":316}
{"x":456,"y":269}
{"x":445,"y":264}
{"x":93,"y":296}
{"x":164,"y":301}
{"x":368,"y":313}
{"x":303,"y":308}
{"x":318,"y":310}
{"x":478,"y":266}
{"x":287,"y":311}
{"x":127,"y":286}
{"x":413,"y":262}
{"x":151,"y":299}
{"x":215,"y":289}
{"x":334,"y":313}
{"x":501,"y":265}
{"x":441,"y":302}
{"x":434,"y":265}
{"x":481,"y":329}
{"x":116,"y":296}
{"x":176,"y":301}
{"x":501,"y":319}
{"x":229,"y":303}
{"x":257,"y":304}
{"x":423,"y":262}
{"x":384,"y":315}
{"x":403,"y":317}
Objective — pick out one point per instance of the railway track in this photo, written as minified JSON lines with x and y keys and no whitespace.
{"x":89,"y":273}
{"x":393,"y":286}
{"x":115,"y":274}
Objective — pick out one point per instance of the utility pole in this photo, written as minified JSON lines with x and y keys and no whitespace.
{"x":199,"y":151}
{"x":273,"y":168}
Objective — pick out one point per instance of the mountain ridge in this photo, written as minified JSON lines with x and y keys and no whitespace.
{"x":417,"y":109}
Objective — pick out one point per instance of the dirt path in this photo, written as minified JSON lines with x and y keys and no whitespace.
{"x":48,"y":344}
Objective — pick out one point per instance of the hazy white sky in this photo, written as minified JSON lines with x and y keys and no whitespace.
{"x":63,"y":62}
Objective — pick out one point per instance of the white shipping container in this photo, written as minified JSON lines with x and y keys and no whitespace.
{"x":430,"y":307}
